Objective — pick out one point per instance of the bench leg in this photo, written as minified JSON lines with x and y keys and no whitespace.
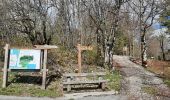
{"x":68,"y":88}
{"x":103,"y":86}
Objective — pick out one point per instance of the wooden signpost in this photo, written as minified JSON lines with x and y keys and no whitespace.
{"x":42,"y":48}
{"x":82,"y":79}
{"x":45,"y":48}
{"x":80,"y":48}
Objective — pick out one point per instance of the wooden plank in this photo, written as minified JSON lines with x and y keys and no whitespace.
{"x":86,"y":48}
{"x":84,"y":74}
{"x":41,"y":60}
{"x":5,"y":71}
{"x":44,"y":70}
{"x":23,"y":48}
{"x":9,"y":70}
{"x":85,"y":82}
{"x":39,"y":47}
{"x":45,"y":47}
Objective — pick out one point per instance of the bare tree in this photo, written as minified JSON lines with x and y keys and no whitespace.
{"x":146,"y":10}
{"x":105,"y":17}
{"x":162,"y":38}
{"x":30,"y":17}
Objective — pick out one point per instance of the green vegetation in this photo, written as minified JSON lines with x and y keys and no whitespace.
{"x":23,"y":89}
{"x":71,"y":99}
{"x":167,"y":81}
{"x":120,"y":42}
{"x":89,"y":57}
{"x":150,"y":90}
{"x":20,"y":90}
{"x":164,"y":18}
{"x":114,"y":78}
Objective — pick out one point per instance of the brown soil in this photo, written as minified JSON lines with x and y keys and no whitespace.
{"x":159,"y":67}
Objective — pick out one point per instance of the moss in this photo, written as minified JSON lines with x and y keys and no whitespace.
{"x":150,"y":90}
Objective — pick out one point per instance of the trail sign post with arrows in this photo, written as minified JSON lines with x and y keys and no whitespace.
{"x":80,"y":48}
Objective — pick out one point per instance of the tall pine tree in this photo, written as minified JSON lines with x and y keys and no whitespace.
{"x":165,"y":16}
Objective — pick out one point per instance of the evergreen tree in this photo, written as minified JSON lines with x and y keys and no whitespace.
{"x":165,"y":16}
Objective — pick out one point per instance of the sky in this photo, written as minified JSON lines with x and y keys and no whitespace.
{"x":157,"y":26}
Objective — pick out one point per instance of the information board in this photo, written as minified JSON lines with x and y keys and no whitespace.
{"x":24,"y":59}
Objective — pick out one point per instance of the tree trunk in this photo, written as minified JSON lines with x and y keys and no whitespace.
{"x":100,"y":55}
{"x":108,"y":57}
{"x":162,"y":49}
{"x":163,"y":55}
{"x":143,"y":49}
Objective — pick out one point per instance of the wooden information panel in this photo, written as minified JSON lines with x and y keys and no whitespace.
{"x":25,"y":59}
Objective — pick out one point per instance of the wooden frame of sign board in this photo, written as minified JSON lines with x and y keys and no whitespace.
{"x":43,"y":62}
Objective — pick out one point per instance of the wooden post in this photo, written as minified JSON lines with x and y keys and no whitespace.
{"x":80,"y":48}
{"x":68,"y":86}
{"x":103,"y":85}
{"x":44,"y":69}
{"x":79,"y":58}
{"x":41,"y":59}
{"x":5,"y":71}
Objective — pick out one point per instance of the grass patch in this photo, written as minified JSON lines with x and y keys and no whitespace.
{"x":114,"y":80}
{"x":19,"y":90}
{"x":150,"y":90}
{"x":167,"y":81}
{"x":34,"y":90}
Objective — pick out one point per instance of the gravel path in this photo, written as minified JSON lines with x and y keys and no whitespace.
{"x":136,"y":78}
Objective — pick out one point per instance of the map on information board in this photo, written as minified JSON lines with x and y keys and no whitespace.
{"x":24,"y":59}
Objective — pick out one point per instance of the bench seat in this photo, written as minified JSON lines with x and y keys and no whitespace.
{"x":84,"y":74}
{"x":84,"y":82}
{"x":82,"y":78}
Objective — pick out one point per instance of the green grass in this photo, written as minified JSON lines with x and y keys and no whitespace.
{"x":167,"y":81}
{"x":150,"y":90}
{"x":24,"y":89}
{"x":114,"y":80}
{"x":53,"y":90}
{"x":19,"y":90}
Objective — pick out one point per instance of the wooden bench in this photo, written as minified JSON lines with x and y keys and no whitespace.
{"x":83,"y":78}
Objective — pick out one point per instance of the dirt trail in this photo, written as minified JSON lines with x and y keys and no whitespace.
{"x":137,"y":80}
